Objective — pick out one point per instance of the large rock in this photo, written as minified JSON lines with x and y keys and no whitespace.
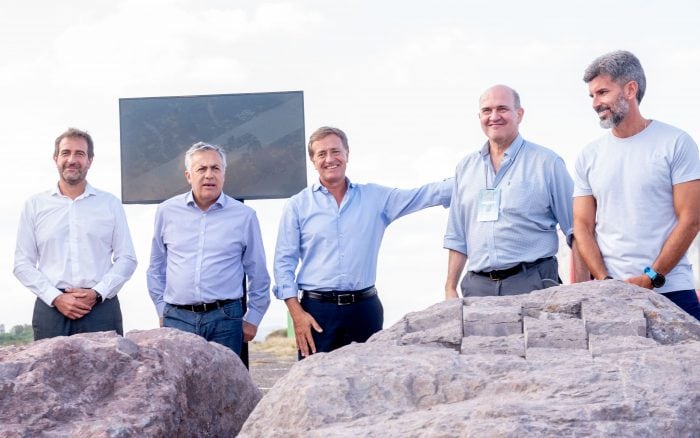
{"x":154,"y":383}
{"x":598,"y":358}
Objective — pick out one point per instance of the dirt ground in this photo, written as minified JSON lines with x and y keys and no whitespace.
{"x":270,"y":360}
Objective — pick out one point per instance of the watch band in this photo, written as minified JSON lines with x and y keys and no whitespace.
{"x":650,"y":273}
{"x":657,"y":280}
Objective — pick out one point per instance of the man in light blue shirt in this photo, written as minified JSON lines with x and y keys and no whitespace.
{"x":508,"y":199}
{"x":204,"y":243}
{"x":335,"y":228}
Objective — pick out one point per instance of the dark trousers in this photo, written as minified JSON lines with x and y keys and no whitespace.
{"x":686,"y":300}
{"x":48,"y":322}
{"x":540,"y":276}
{"x":343,"y":324}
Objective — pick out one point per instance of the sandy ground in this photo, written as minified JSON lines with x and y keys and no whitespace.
{"x":270,"y":360}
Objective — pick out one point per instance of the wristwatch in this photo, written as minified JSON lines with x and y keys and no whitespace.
{"x":657,"y":280}
{"x":98,"y":297}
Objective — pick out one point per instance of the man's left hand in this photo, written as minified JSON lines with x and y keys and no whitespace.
{"x":641,"y":281}
{"x":249,"y":331}
{"x":87,"y":296}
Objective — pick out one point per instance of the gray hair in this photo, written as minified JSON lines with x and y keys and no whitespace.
{"x":622,"y":66}
{"x":200,"y":147}
{"x":325,"y":131}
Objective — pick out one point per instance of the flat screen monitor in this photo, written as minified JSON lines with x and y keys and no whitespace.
{"x":261,"y":133}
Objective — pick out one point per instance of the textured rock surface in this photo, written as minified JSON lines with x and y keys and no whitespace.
{"x":429,"y":376}
{"x":161,"y":382}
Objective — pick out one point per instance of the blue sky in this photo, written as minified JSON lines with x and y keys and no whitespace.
{"x":402,"y":78}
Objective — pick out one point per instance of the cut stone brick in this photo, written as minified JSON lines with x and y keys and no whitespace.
{"x":613,"y":321}
{"x":492,"y":320}
{"x":553,"y":355}
{"x":512,"y":345}
{"x":555,"y":333}
{"x":603,"y":344}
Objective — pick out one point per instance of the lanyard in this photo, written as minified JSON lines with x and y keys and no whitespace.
{"x":510,"y":164}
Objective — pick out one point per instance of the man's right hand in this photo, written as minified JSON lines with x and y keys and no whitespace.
{"x":303,"y":322}
{"x":450,"y":292}
{"x":72,"y":305}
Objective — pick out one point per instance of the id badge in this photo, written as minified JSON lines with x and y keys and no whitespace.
{"x":489,"y":203}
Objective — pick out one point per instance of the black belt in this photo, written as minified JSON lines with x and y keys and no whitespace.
{"x":505,"y":273}
{"x":340,"y":298}
{"x":204,"y":307}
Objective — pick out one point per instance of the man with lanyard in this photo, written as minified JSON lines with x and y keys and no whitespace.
{"x":637,"y":197}
{"x":74,"y":249}
{"x":204,"y":243}
{"x":508,"y":199}
{"x":335,"y":228}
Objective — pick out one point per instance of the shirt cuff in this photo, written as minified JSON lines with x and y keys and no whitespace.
{"x":446,"y":192}
{"x":49,"y":296}
{"x":286,"y":291}
{"x":253,"y":317}
{"x":455,"y":245}
{"x":102,"y":289}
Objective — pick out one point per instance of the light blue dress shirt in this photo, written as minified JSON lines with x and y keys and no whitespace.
{"x":201,"y":256}
{"x":338,"y":245}
{"x":536,"y":194}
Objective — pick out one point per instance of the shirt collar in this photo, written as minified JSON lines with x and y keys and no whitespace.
{"x":512,"y":150}
{"x":220,"y":201}
{"x":89,"y":191}
{"x":317,"y":186}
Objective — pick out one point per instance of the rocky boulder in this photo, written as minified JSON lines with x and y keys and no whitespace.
{"x":161,"y":382}
{"x":600,"y":358}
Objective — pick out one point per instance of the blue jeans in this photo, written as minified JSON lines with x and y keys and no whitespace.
{"x":223,"y":326}
{"x":686,"y":300}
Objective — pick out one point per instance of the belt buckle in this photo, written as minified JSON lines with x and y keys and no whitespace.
{"x":345,"y":299}
{"x":493,"y":275}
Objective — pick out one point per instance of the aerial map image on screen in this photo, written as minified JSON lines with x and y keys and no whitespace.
{"x":262,"y":134}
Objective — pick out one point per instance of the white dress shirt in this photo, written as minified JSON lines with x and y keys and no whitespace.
{"x":82,"y":242}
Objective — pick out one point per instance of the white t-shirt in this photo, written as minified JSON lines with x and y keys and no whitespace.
{"x":632,"y":182}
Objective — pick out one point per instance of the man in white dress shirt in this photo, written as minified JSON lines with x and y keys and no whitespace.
{"x":74,"y":249}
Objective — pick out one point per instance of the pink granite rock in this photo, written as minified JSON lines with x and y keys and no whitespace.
{"x":603,"y":358}
{"x":161,"y":382}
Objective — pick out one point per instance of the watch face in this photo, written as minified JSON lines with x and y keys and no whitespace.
{"x":658,"y":281}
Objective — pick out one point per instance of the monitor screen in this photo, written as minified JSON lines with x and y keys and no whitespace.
{"x":261,"y":133}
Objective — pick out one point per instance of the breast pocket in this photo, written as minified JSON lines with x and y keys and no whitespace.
{"x":520,"y":199}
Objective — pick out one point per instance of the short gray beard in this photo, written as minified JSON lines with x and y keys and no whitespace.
{"x":618,"y":112}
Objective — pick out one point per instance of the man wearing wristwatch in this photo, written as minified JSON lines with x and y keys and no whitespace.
{"x":74,"y":249}
{"x":637,"y":189}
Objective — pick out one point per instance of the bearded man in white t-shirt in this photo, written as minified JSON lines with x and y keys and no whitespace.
{"x":637,"y":189}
